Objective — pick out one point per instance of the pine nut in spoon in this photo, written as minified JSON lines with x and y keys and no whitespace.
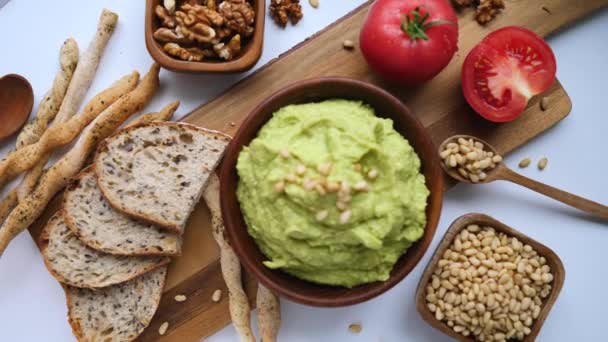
{"x":16,"y":101}
{"x":502,"y":172}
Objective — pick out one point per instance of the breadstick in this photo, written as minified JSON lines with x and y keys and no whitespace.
{"x":164,"y":115}
{"x":79,"y":85}
{"x":7,"y":205}
{"x":70,"y":164}
{"x":229,"y":262}
{"x":49,"y":106}
{"x":63,"y":133}
{"x":269,"y":314}
{"x":68,"y":58}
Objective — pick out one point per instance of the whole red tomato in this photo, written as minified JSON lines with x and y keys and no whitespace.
{"x":409,"y":41}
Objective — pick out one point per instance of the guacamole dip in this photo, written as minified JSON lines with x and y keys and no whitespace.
{"x":331,"y":193}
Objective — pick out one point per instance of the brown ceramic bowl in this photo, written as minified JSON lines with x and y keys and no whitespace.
{"x":557,"y":268}
{"x":246,"y":60}
{"x":312,"y":90}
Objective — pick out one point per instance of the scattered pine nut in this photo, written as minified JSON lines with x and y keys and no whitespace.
{"x":216,"y":296}
{"x":163,"y":328}
{"x":322,"y":215}
{"x":524,"y":163}
{"x":314,"y":3}
{"x":345,"y":216}
{"x":372,"y":174}
{"x":355,"y":328}
{"x":284,"y":153}
{"x":361,"y":186}
{"x":544,"y":103}
{"x":180,"y":298}
{"x":300,"y":169}
{"x":232,"y":124}
{"x":279,"y":187}
{"x":348,"y":44}
{"x":542,"y":163}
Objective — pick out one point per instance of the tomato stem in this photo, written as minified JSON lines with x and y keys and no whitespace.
{"x":414,"y":25}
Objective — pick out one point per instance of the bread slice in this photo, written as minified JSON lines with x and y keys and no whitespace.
{"x":73,"y":263}
{"x":99,"y":226}
{"x":157,"y":172}
{"x":115,"y":313}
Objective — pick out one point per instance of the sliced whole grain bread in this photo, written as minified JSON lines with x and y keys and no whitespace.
{"x":115,"y":313}
{"x":157,"y":171}
{"x":99,"y":226}
{"x":73,"y":263}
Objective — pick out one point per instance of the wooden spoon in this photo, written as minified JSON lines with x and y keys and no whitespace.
{"x":503,"y":172}
{"x":16,"y":101}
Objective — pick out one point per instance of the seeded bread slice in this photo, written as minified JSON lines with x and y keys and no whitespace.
{"x":99,"y":226}
{"x":115,"y":313}
{"x":157,"y":172}
{"x":73,"y":263}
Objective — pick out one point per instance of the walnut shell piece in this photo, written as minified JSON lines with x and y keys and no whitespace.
{"x":239,"y":15}
{"x":166,"y":19}
{"x":283,"y":11}
{"x":167,"y":35}
{"x":192,"y":54}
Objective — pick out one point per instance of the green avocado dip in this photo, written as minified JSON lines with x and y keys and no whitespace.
{"x":331,"y":193}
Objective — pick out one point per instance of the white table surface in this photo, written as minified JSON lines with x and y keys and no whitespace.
{"x":32,"y":306}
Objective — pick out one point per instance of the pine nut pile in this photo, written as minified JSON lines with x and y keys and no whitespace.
{"x":469,"y":158}
{"x":489,"y":285}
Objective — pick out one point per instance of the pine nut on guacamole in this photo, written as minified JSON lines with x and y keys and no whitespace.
{"x":331,"y":193}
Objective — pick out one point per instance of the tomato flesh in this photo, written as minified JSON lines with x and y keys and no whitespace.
{"x":505,"y":70}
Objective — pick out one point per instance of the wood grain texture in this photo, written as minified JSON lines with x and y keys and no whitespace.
{"x":439,"y":104}
{"x":557,"y":268}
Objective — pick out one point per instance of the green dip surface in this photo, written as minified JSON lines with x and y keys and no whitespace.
{"x":331,"y":193}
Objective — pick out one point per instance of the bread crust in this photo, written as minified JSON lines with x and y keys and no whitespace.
{"x":103,"y":148}
{"x":44,"y":244}
{"x":71,"y":224}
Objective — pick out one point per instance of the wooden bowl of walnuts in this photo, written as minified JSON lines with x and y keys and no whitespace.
{"x":205,"y":36}
{"x":489,"y":282}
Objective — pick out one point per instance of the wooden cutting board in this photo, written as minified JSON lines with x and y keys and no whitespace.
{"x":439,"y":104}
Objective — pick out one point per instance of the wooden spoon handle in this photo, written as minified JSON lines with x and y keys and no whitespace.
{"x":581,"y":203}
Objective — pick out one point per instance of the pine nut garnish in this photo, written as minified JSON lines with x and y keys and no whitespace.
{"x":488,"y":285}
{"x":163,"y":328}
{"x":279,"y":187}
{"x":180,"y":298}
{"x":348,"y":44}
{"x":345,"y":216}
{"x":344,"y":187}
{"x":524,"y":163}
{"x":324,"y":168}
{"x":322,"y":215}
{"x":300,"y":170}
{"x":372,"y":174}
{"x":361,"y":186}
{"x":542,"y":163}
{"x":291,"y":178}
{"x":308,"y":184}
{"x":332,"y":186}
{"x":216,"y":296}
{"x":284,"y":153}
{"x":320,"y":189}
{"x":355,"y":328}
{"x":314,"y":3}
{"x":341,"y":205}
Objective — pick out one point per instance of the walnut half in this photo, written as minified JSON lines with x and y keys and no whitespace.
{"x":188,"y":54}
{"x":283,"y":11}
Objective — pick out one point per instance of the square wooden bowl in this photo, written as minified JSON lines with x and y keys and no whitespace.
{"x":249,"y":56}
{"x":557,"y":269}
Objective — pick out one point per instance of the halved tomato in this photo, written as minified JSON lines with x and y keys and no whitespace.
{"x":505,"y":70}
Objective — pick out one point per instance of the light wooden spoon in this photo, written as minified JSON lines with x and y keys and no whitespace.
{"x":503,"y":172}
{"x":16,"y":101}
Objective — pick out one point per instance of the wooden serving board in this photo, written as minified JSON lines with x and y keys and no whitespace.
{"x":439,"y":104}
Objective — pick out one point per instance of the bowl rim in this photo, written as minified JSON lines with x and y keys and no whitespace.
{"x":434,"y":200}
{"x":244,"y":62}
{"x":454,"y":229}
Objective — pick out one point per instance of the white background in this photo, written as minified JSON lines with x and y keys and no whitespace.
{"x":32,"y":304}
